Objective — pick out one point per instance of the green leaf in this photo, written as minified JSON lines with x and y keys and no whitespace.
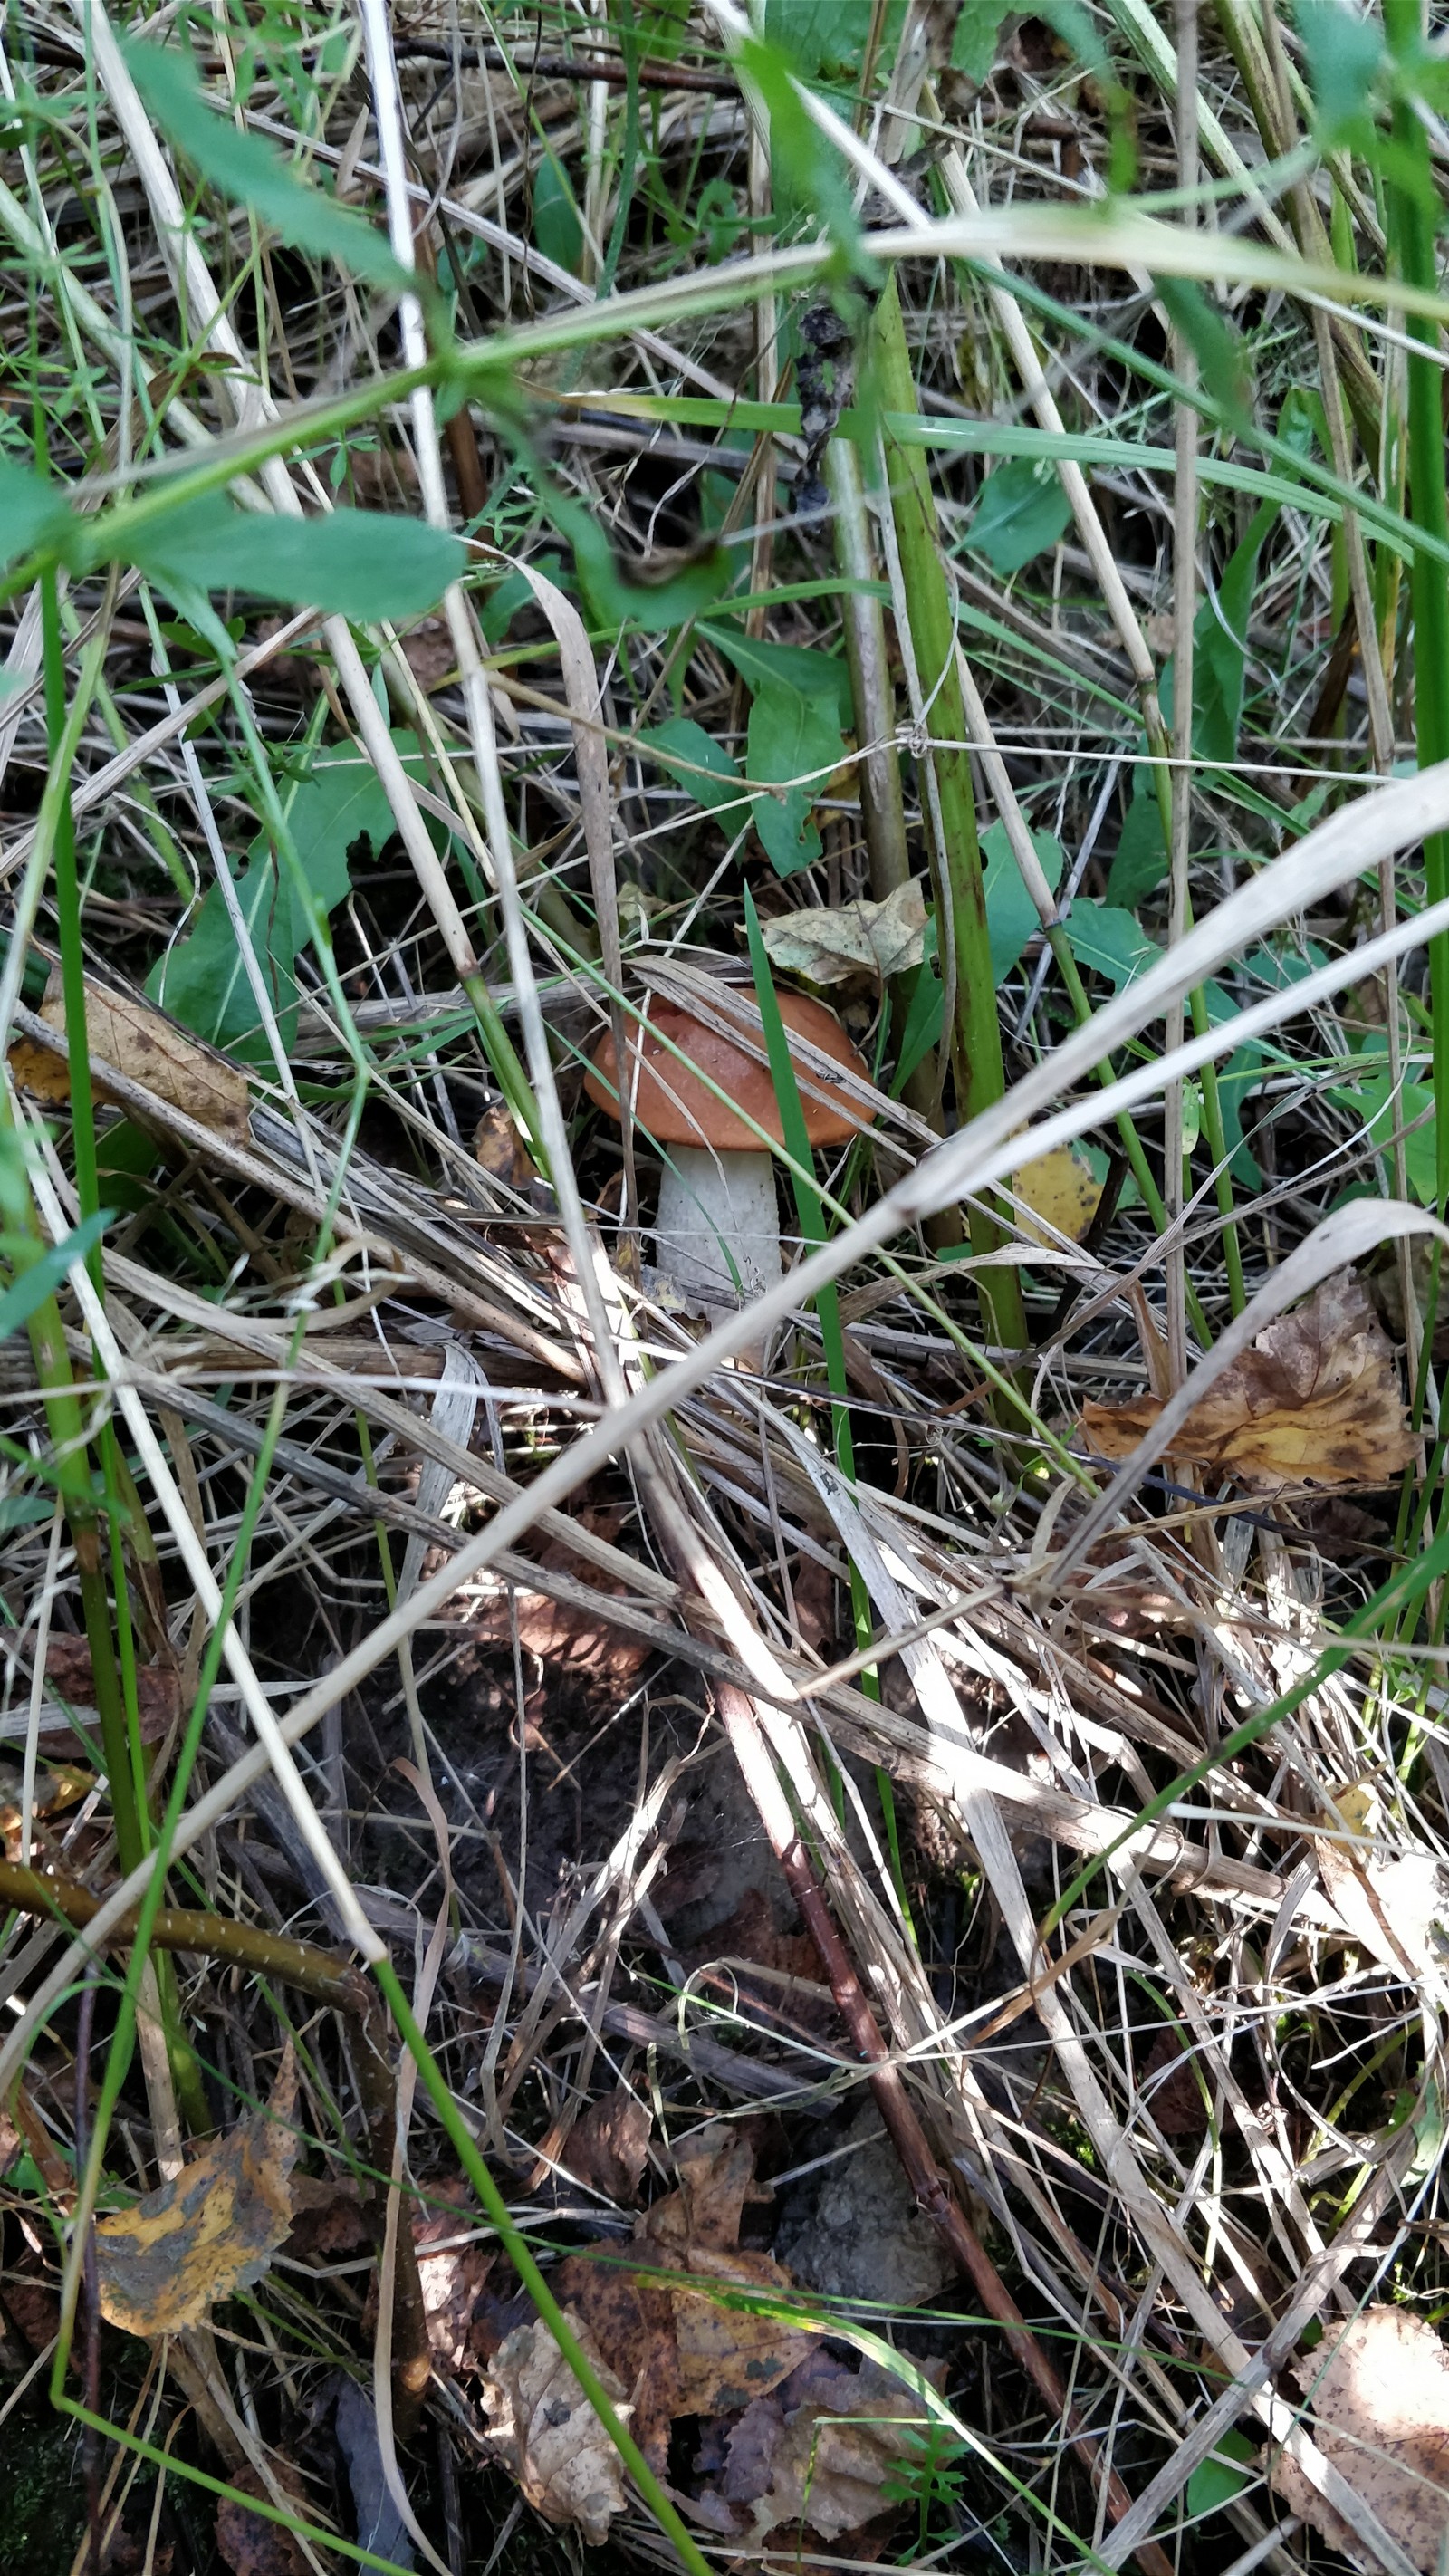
{"x":978,"y":32}
{"x":253,"y":173}
{"x":827,"y":38}
{"x":203,"y":982}
{"x":1383,"y":1107}
{"x":556,"y":226}
{"x":612,"y":597}
{"x":19,"y":1301}
{"x":1021,"y":511}
{"x":795,"y":666}
{"x":1219,"y":2479}
{"x":1011,"y":916}
{"x":1345,"y":55}
{"x":695,"y":751}
{"x":1141,"y":860}
{"x":1220,"y":632}
{"x":32,"y":512}
{"x":791,"y":738}
{"x":1108,"y":942}
{"x":1214,"y":343}
{"x":353,"y":563}
{"x":809,"y":174}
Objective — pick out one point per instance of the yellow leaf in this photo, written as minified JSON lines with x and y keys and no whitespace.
{"x":1315,"y":1401}
{"x":144,"y":1046}
{"x":1060,"y":1188}
{"x":211,"y":2231}
{"x":1358,"y":1805}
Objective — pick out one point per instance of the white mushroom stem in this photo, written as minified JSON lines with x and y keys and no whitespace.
{"x":711,"y":1204}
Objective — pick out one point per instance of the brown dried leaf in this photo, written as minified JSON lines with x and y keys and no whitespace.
{"x":1396,"y":1908}
{"x":501,"y":1150}
{"x":545,"y":2432}
{"x":819,"y":2452}
{"x":211,"y":2231}
{"x":70,"y":1674}
{"x":861,"y":942}
{"x":609,"y":2147}
{"x":632,"y":2323}
{"x":727,"y":2355}
{"x":248,"y":2543}
{"x":453,"y":2279}
{"x":1316,"y":1400}
{"x":146,"y":1047}
{"x":1379,"y":2391}
{"x":716,"y":2172}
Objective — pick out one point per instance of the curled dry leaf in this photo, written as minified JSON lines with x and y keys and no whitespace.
{"x":861,"y":942}
{"x":211,"y":2231}
{"x":453,"y":2268}
{"x":1379,"y":2391}
{"x":1396,"y":1906}
{"x":609,"y":2146}
{"x":819,"y":2451}
{"x":249,"y":2543}
{"x":1316,"y":1401}
{"x":146,"y":1047}
{"x":543,"y":2429}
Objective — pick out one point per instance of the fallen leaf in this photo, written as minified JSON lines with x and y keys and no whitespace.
{"x":70,"y":1675}
{"x":1379,"y":2391}
{"x":454,"y":2277}
{"x":861,"y":942}
{"x":631,"y":2320}
{"x":543,"y":2429}
{"x":1395,"y":1907}
{"x":248,"y":2543}
{"x":716,"y":2171}
{"x":499,"y":1148}
{"x":609,"y":2147}
{"x":1316,"y":1400}
{"x":328,"y":2220}
{"x":819,"y":2452}
{"x":1359,"y":1805}
{"x":1060,"y":1189}
{"x":1170,"y":2088}
{"x":728,"y":2353}
{"x":211,"y":2231}
{"x":141,"y":1043}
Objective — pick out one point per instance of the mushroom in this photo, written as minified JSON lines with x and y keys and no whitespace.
{"x":717,"y":1231}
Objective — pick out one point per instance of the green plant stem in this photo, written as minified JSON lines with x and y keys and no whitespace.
{"x":975,"y":1035}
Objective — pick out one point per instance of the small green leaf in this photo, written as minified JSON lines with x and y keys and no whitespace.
{"x":1218,"y":2479}
{"x":556,"y":226}
{"x":827,"y":38}
{"x":795,"y":666}
{"x":701,"y":765}
{"x":978,"y":32}
{"x":19,"y":1301}
{"x":1345,"y":55}
{"x":352,"y":563}
{"x":253,"y":173}
{"x":32,"y":512}
{"x":791,"y":739}
{"x":1011,"y":916}
{"x":1141,"y":860}
{"x":1109,"y":942}
{"x":1021,"y":511}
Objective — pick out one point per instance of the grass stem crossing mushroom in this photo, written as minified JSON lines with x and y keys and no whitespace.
{"x":717,"y":1229}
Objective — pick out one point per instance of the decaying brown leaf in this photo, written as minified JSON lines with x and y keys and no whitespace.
{"x":860,"y":942}
{"x":146,"y":1047}
{"x":1316,"y":1401}
{"x":501,"y":1150}
{"x":818,"y":2452}
{"x":249,"y":2543}
{"x":453,"y":2269}
{"x":609,"y":2147}
{"x":1379,"y":2391}
{"x":210,"y":2232}
{"x":1396,"y":1906}
{"x":542,"y":2427}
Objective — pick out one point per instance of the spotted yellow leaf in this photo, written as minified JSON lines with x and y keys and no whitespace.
{"x":1059,"y":1188}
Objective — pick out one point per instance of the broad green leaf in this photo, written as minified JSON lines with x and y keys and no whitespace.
{"x":1141,"y":860}
{"x":1109,"y":942}
{"x":827,"y":38}
{"x":684,"y":748}
{"x":925,"y":1016}
{"x":556,"y":226}
{"x":1011,"y":916}
{"x":1219,"y":2478}
{"x":20,"y":1300}
{"x":977,"y":34}
{"x":795,"y":666}
{"x":32,"y":512}
{"x":1384,"y":1107}
{"x":203,"y":981}
{"x":1021,"y":511}
{"x":1220,"y":631}
{"x":1345,"y":55}
{"x":612,"y":595}
{"x":791,"y":738}
{"x":358,"y":564}
{"x":253,"y":173}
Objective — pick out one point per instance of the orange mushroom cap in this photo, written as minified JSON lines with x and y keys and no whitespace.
{"x":672,"y":1104}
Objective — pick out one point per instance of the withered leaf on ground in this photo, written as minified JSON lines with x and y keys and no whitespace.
{"x":454,"y":2277}
{"x":1379,"y":2391}
{"x":143,"y":1045}
{"x":1396,"y":1905}
{"x":251,"y":2545}
{"x":1317,"y":1400}
{"x":819,"y":2451}
{"x":543,"y":2429}
{"x":1060,"y":1189}
{"x":609,"y":2147}
{"x":210,"y":2232}
{"x":860,"y":942}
